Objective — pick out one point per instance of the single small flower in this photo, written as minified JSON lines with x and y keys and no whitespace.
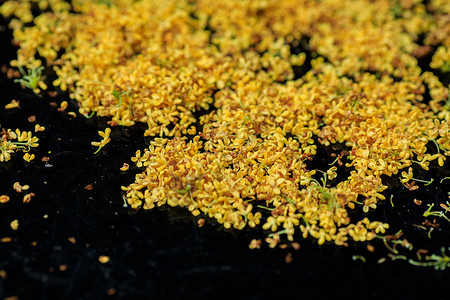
{"x":271,"y":223}
{"x":27,"y":157}
{"x":137,"y":159}
{"x":13,"y":104}
{"x":38,"y":128}
{"x":27,"y":197}
{"x":331,"y":172}
{"x":106,"y":139}
{"x":201,"y":222}
{"x":14,"y":224}
{"x":4,"y":198}
{"x":407,"y":176}
{"x":273,"y":241}
{"x":255,"y":244}
{"x":103,"y":259}
{"x":411,"y":185}
{"x":63,"y":106}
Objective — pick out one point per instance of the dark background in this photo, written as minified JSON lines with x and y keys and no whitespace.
{"x":163,"y":252}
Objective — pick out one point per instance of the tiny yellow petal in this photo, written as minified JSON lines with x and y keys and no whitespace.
{"x":14,"y":224}
{"x":103,"y":259}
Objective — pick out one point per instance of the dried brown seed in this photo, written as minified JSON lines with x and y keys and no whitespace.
{"x":288,"y":258}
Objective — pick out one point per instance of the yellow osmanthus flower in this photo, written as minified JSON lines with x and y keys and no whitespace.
{"x":14,"y":224}
{"x":38,"y":128}
{"x":27,"y":197}
{"x":4,"y":198}
{"x":28,"y":157}
{"x":103,"y":259}
{"x":64,"y":105}
{"x":407,"y":176}
{"x":13,"y":104}
{"x":106,"y":139}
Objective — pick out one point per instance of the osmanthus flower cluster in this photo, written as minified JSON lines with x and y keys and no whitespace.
{"x":17,"y":141}
{"x":247,"y":161}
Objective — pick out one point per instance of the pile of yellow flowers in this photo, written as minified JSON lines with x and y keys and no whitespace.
{"x":234,"y":126}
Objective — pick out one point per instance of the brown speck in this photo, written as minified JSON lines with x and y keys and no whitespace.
{"x":3,"y":274}
{"x":370,"y":248}
{"x":417,"y":202}
{"x":32,"y":118}
{"x":45,"y":159}
{"x":283,"y":246}
{"x":89,"y":187}
{"x":6,"y":239}
{"x":295,"y":245}
{"x":288,"y":258}
{"x":53,"y":93}
{"x":11,"y":73}
{"x":62,"y":268}
{"x":53,"y":104}
{"x":111,"y":291}
{"x":72,"y":240}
